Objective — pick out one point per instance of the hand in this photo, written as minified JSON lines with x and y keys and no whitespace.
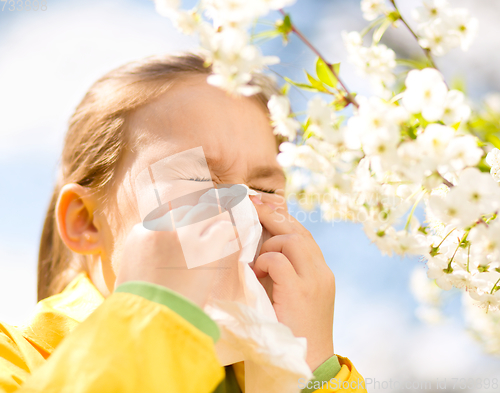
{"x":157,"y":257}
{"x":303,"y":284}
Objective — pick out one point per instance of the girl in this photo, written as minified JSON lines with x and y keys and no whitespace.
{"x":109,"y":319}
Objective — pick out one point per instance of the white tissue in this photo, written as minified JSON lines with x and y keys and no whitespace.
{"x":274,"y":358}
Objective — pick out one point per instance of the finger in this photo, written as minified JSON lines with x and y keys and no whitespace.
{"x":295,"y":248}
{"x":277,"y":266}
{"x":277,"y":200}
{"x":277,"y":221}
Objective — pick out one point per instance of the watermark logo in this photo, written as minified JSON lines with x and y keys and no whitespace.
{"x":177,"y":194}
{"x":24,"y":5}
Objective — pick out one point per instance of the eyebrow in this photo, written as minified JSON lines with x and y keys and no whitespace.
{"x":265,"y":172}
{"x":260,"y":172}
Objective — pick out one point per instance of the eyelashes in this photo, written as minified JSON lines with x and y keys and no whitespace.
{"x":267,"y":191}
{"x":198,"y":179}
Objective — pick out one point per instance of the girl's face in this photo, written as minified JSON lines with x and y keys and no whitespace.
{"x":236,"y":137}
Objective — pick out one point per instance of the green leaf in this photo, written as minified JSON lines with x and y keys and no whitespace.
{"x":394,"y":16}
{"x":419,"y":65}
{"x":284,"y":26}
{"x":285,"y":88}
{"x":301,"y":85}
{"x":339,"y":103}
{"x":316,"y":83}
{"x":325,"y":74}
{"x":483,"y":166}
{"x":307,"y":133}
{"x":494,"y":140}
{"x":434,"y":251}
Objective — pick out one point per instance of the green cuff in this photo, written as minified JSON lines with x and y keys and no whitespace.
{"x":328,"y":370}
{"x":175,"y":301}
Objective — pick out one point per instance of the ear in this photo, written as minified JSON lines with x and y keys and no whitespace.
{"x":76,"y":222}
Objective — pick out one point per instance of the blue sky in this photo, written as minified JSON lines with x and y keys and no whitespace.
{"x":48,"y":61}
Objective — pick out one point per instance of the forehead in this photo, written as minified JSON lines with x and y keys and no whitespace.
{"x":234,"y":132}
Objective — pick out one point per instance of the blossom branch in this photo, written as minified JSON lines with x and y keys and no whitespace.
{"x":349,"y":97}
{"x":447,"y":182}
{"x":427,"y":52}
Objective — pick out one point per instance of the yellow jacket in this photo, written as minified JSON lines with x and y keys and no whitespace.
{"x":79,"y":342}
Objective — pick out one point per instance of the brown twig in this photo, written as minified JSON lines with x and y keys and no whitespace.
{"x":349,"y":97}
{"x":446,"y":182}
{"x":427,"y":52}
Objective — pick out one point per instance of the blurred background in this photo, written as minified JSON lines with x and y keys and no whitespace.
{"x":49,"y":59}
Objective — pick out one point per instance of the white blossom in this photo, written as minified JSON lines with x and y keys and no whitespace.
{"x":321,"y":117}
{"x":484,"y":326}
{"x":410,"y":242}
{"x":375,"y":114}
{"x":434,"y":141}
{"x":436,"y":37}
{"x":437,"y":267}
{"x":233,"y":60}
{"x":493,"y":160}
{"x":426,"y":93}
{"x":462,"y":152}
{"x":240,"y":13}
{"x":380,"y":164}
{"x":455,"y":108}
{"x":462,"y":25}
{"x":430,"y":10}
{"x":301,"y":156}
{"x":476,"y":194}
{"x":377,"y":126}
{"x":377,"y":62}
{"x":352,"y":40}
{"x":442,"y":28}
{"x":485,"y":240}
{"x":453,"y":209}
{"x":372,"y":9}
{"x":487,"y":300}
{"x":279,"y":108}
{"x":413,"y":164}
{"x":186,"y":22}
{"x":226,"y":42}
{"x":480,"y":190}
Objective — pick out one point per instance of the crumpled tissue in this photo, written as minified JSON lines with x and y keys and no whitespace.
{"x":274,"y":358}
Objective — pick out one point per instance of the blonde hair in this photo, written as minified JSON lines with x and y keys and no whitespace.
{"x":95,"y":141}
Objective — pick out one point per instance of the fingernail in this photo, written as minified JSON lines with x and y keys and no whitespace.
{"x":255,"y":199}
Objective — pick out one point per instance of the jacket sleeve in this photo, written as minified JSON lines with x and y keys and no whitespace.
{"x":142,"y":338}
{"x":337,"y":374}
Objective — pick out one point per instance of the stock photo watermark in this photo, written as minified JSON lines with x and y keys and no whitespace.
{"x":177,"y":194}
{"x":24,"y":5}
{"x":394,"y":384}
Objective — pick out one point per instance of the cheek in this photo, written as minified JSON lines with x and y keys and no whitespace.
{"x":121,"y":216}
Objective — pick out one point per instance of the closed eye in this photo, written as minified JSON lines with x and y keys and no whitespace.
{"x":267,"y":191}
{"x":198,"y":179}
